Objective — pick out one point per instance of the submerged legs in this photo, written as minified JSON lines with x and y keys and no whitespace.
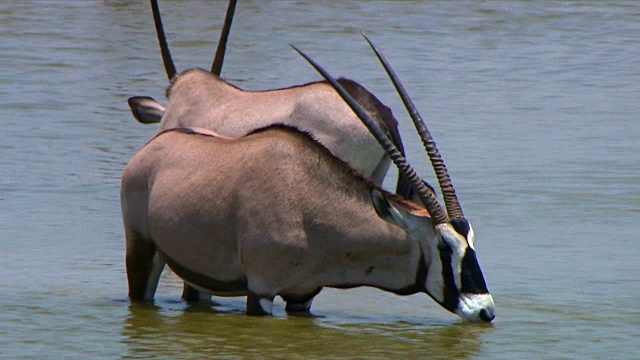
{"x":300,"y":303}
{"x":259,"y":304}
{"x":299,"y":307}
{"x":144,"y":267}
{"x":189,"y":293}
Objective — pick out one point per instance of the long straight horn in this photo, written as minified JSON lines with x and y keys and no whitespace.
{"x":216,"y":67}
{"x":448,"y":192}
{"x":428,"y":198}
{"x":169,"y":67}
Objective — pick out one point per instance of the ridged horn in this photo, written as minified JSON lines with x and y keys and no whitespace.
{"x":216,"y":67}
{"x":429,"y":200}
{"x":169,"y":67}
{"x":448,"y":192}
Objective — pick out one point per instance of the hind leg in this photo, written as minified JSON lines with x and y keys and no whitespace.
{"x":189,"y":293}
{"x":299,"y":307}
{"x":299,"y":303}
{"x":259,"y":304}
{"x":144,"y":267}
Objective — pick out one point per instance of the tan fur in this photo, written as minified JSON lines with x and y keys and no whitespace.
{"x":273,"y":210}
{"x":198,"y":98}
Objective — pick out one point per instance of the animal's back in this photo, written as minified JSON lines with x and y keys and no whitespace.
{"x":199,"y":99}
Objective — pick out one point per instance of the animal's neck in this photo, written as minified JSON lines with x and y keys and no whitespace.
{"x":395,"y":273}
{"x":375,"y":254}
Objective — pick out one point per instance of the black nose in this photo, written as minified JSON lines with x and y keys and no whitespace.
{"x":487,"y":316}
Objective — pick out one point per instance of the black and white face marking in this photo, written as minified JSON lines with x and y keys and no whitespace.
{"x":455,"y":279}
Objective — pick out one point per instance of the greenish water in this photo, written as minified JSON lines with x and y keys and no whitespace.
{"x":535,"y":107}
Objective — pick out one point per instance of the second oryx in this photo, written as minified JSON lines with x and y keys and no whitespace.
{"x":199,"y":98}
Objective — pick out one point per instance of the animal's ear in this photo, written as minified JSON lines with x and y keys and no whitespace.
{"x":386,"y":209}
{"x":145,"y":109}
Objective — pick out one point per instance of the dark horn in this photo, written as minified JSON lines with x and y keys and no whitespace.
{"x":162,"y":40}
{"x":428,"y":198}
{"x":216,"y":67}
{"x":448,"y":192}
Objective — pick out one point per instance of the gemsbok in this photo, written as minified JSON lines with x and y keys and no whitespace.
{"x":199,"y":98}
{"x":275,"y":213}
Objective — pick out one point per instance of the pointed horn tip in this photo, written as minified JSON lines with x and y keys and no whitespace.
{"x":306,"y":57}
{"x":373,"y":47}
{"x":296,"y":49}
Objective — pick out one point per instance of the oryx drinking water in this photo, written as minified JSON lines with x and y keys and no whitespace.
{"x":199,"y":98}
{"x":274,"y":213}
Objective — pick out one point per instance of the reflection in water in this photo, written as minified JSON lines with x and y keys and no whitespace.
{"x":204,"y":331}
